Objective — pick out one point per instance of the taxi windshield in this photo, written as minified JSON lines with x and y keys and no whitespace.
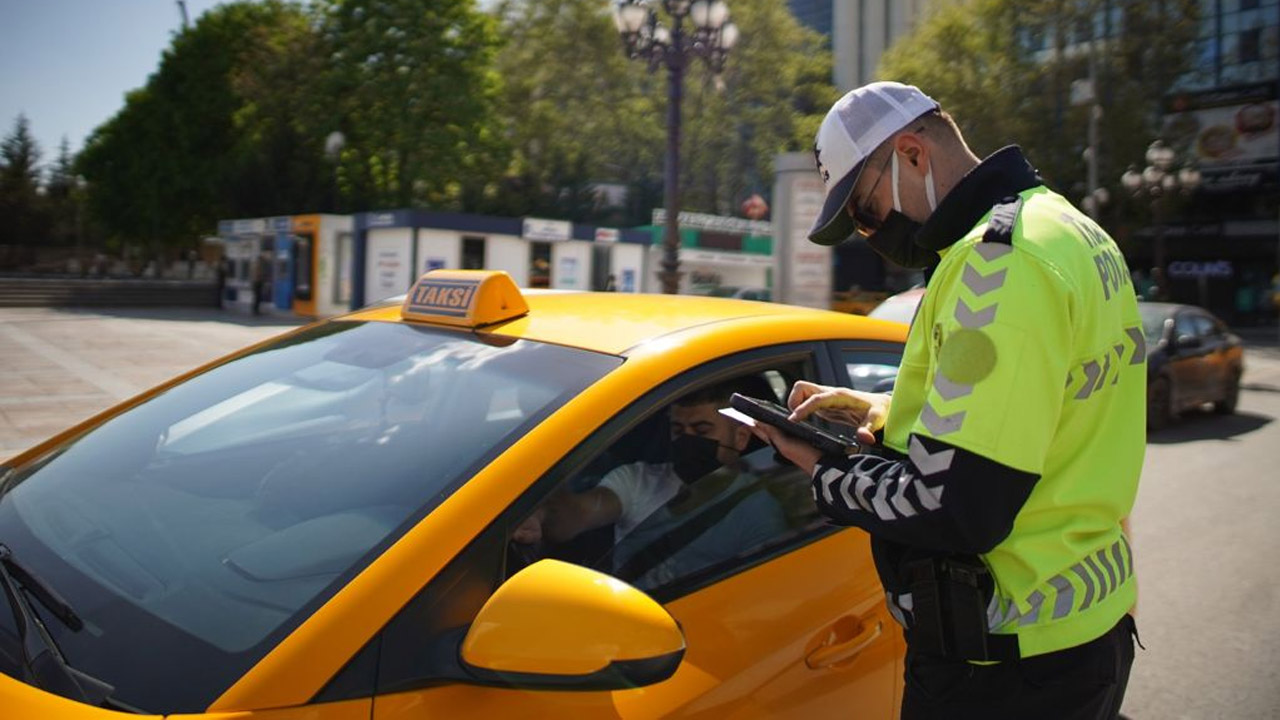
{"x":194,"y":530}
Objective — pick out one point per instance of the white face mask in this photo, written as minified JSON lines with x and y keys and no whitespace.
{"x":929,"y":191}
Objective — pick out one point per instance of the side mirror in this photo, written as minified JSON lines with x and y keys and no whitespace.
{"x":559,"y":626}
{"x":1189,"y":342}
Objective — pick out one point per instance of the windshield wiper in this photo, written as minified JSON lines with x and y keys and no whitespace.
{"x":6,"y":475}
{"x":60,"y":608}
{"x":44,"y":663}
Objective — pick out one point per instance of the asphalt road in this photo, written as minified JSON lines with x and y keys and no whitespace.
{"x":1206,"y":526}
{"x":1206,"y":545}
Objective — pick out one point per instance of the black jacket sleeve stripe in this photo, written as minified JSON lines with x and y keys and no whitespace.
{"x":940,"y":498}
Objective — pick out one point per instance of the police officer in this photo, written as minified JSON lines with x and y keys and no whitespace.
{"x":1011,"y":446}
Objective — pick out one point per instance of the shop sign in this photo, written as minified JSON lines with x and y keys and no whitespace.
{"x":1196,"y":269}
{"x":606,"y":235}
{"x":547,"y":230}
{"x":255,"y":226}
{"x":1223,"y":128}
{"x":712,"y":257}
{"x":377,"y":220}
{"x":1226,"y":180}
{"x":716,"y":223}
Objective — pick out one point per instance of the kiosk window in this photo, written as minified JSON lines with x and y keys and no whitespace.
{"x":539,"y":264}
{"x":342,"y":278}
{"x":472,"y":253}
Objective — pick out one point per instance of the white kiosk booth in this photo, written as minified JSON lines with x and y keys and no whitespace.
{"x":244,"y":241}
{"x":393,"y":248}
{"x":321,"y":264}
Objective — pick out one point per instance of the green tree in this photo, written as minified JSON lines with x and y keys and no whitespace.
{"x":416,"y":86}
{"x":62,"y":197}
{"x":23,"y":218}
{"x":285,"y":115}
{"x":575,"y":109}
{"x":579,"y":112}
{"x":1004,"y":70}
{"x":774,"y":92}
{"x":177,"y":157}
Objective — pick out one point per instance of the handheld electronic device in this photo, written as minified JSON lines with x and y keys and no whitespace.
{"x":774,"y":414}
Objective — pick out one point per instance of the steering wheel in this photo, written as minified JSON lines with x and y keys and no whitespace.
{"x":522,"y":555}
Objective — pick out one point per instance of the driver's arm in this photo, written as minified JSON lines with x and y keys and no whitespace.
{"x":565,"y":515}
{"x":570,"y":514}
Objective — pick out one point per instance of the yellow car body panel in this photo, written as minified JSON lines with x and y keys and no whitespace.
{"x":741,"y":656}
{"x":522,"y":612}
{"x":22,"y":702}
{"x":661,"y":337}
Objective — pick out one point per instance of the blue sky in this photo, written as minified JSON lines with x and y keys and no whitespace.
{"x":67,"y":64}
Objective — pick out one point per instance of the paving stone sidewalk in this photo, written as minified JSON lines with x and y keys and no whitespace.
{"x":60,"y":366}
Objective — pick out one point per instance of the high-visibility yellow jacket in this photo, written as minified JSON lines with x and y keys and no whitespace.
{"x":1020,"y":410}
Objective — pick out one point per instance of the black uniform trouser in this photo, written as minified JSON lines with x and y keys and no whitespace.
{"x":1086,"y":682}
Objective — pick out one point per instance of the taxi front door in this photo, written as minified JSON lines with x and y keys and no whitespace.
{"x":804,"y":636}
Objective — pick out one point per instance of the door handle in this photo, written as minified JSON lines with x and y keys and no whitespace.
{"x":832,"y":653}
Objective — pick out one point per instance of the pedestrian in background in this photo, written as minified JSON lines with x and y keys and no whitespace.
{"x":258,"y":279}
{"x":1015,"y":434}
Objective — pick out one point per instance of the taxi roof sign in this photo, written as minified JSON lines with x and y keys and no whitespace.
{"x":465,"y":298}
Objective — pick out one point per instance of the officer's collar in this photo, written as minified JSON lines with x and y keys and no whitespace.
{"x":1001,"y":174}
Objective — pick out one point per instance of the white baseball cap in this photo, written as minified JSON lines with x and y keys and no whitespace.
{"x":854,"y":127}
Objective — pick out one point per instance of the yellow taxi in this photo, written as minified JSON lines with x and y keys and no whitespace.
{"x":478,"y":502}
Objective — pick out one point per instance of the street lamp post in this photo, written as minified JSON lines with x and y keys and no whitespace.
{"x":79,"y":184}
{"x":645,"y":38}
{"x":334,"y":142}
{"x":1158,"y":181}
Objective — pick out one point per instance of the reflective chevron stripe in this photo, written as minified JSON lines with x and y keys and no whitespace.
{"x":939,"y":425}
{"x":1092,"y":371}
{"x":899,"y":499}
{"x":1066,"y":594}
{"x":1034,"y":600}
{"x":1087,"y":579}
{"x":1097,"y":370}
{"x":950,"y":390}
{"x":926,"y":462}
{"x":1139,"y":345}
{"x":992,"y":251}
{"x":893,"y":494}
{"x":1098,"y":574}
{"x":982,"y":284}
{"x":974,"y":319}
{"x":930,"y":497}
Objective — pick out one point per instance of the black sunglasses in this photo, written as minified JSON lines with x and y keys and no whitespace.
{"x":864,"y":222}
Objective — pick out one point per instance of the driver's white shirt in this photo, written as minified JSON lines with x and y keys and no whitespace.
{"x":641,"y":488}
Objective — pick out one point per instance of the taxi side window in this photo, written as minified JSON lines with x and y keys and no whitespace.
{"x":684,"y":498}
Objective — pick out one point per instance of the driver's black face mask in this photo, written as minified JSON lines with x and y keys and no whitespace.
{"x":895,"y":240}
{"x":694,"y":457}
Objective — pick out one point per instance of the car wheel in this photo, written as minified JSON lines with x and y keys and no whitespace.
{"x":1159,"y":404}
{"x":1230,"y":396}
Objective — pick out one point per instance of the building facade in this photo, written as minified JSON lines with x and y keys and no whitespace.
{"x":860,"y":32}
{"x":1223,"y":248}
